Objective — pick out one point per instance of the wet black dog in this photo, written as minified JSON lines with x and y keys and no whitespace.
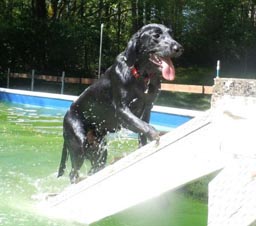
{"x":122,"y":97}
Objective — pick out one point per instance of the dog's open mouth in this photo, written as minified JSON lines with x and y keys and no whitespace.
{"x":165,"y":65}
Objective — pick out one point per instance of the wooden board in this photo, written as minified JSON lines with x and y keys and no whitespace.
{"x":183,"y":155}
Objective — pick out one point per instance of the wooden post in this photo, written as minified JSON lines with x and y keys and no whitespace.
{"x":62,"y":82}
{"x":32,"y":79}
{"x":8,"y":77}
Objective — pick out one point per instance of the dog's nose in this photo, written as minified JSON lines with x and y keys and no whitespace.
{"x":177,"y":48}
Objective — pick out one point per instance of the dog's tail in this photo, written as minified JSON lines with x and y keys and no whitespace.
{"x":63,"y":160}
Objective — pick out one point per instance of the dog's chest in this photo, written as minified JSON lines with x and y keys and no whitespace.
{"x":141,"y":87}
{"x":146,"y":85}
{"x":141,"y":95}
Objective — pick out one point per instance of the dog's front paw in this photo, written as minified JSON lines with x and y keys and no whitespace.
{"x":153,"y":134}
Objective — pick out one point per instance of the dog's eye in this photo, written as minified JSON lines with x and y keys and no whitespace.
{"x":156,"y":35}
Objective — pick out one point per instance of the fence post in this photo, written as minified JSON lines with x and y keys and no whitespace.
{"x":62,"y":82}
{"x":8,"y":77}
{"x":100,"y":53}
{"x":32,"y":79}
{"x":218,"y":69}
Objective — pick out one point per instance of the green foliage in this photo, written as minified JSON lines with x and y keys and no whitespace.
{"x":53,"y":35}
{"x":222,"y":30}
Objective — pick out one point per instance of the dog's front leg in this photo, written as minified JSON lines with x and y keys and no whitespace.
{"x":146,"y":118}
{"x":142,"y":139}
{"x":133,"y":123}
{"x":125,"y":116}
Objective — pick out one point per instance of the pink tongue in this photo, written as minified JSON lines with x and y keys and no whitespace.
{"x":168,"y":70}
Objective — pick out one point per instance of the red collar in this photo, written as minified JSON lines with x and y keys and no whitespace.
{"x":136,"y":75}
{"x":135,"y":72}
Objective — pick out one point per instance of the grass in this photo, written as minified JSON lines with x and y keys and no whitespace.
{"x":195,"y":76}
{"x":184,"y":100}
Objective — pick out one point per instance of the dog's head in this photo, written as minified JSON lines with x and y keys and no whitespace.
{"x":151,"y":49}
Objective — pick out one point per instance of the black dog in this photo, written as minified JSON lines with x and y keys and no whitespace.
{"x":123,"y":96}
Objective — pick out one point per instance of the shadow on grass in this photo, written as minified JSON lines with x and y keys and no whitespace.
{"x":184,"y":100}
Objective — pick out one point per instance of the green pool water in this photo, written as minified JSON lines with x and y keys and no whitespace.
{"x":30,"y":149}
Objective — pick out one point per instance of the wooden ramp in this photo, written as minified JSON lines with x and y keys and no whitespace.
{"x":183,"y":155}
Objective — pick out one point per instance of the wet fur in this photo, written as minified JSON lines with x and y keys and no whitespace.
{"x":116,"y":100}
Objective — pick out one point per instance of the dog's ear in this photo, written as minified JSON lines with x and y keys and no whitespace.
{"x":131,"y":50}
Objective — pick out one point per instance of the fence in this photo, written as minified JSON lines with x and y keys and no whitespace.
{"x":200,"y":89}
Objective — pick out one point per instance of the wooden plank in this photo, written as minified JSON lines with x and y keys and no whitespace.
{"x":207,"y":89}
{"x":179,"y":158}
{"x":20,"y":75}
{"x":49,"y":78}
{"x":186,"y":88}
{"x":72,"y":80}
{"x":88,"y":81}
{"x":181,"y":88}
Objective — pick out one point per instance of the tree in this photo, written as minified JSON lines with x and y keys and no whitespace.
{"x":39,"y":9}
{"x":56,"y":35}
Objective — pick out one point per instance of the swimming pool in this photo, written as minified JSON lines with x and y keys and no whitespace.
{"x":30,"y":148}
{"x":163,"y":118}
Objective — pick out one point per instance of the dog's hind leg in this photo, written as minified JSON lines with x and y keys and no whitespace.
{"x":76,"y":162}
{"x":98,"y":156}
{"x":77,"y":150}
{"x":74,"y":135}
